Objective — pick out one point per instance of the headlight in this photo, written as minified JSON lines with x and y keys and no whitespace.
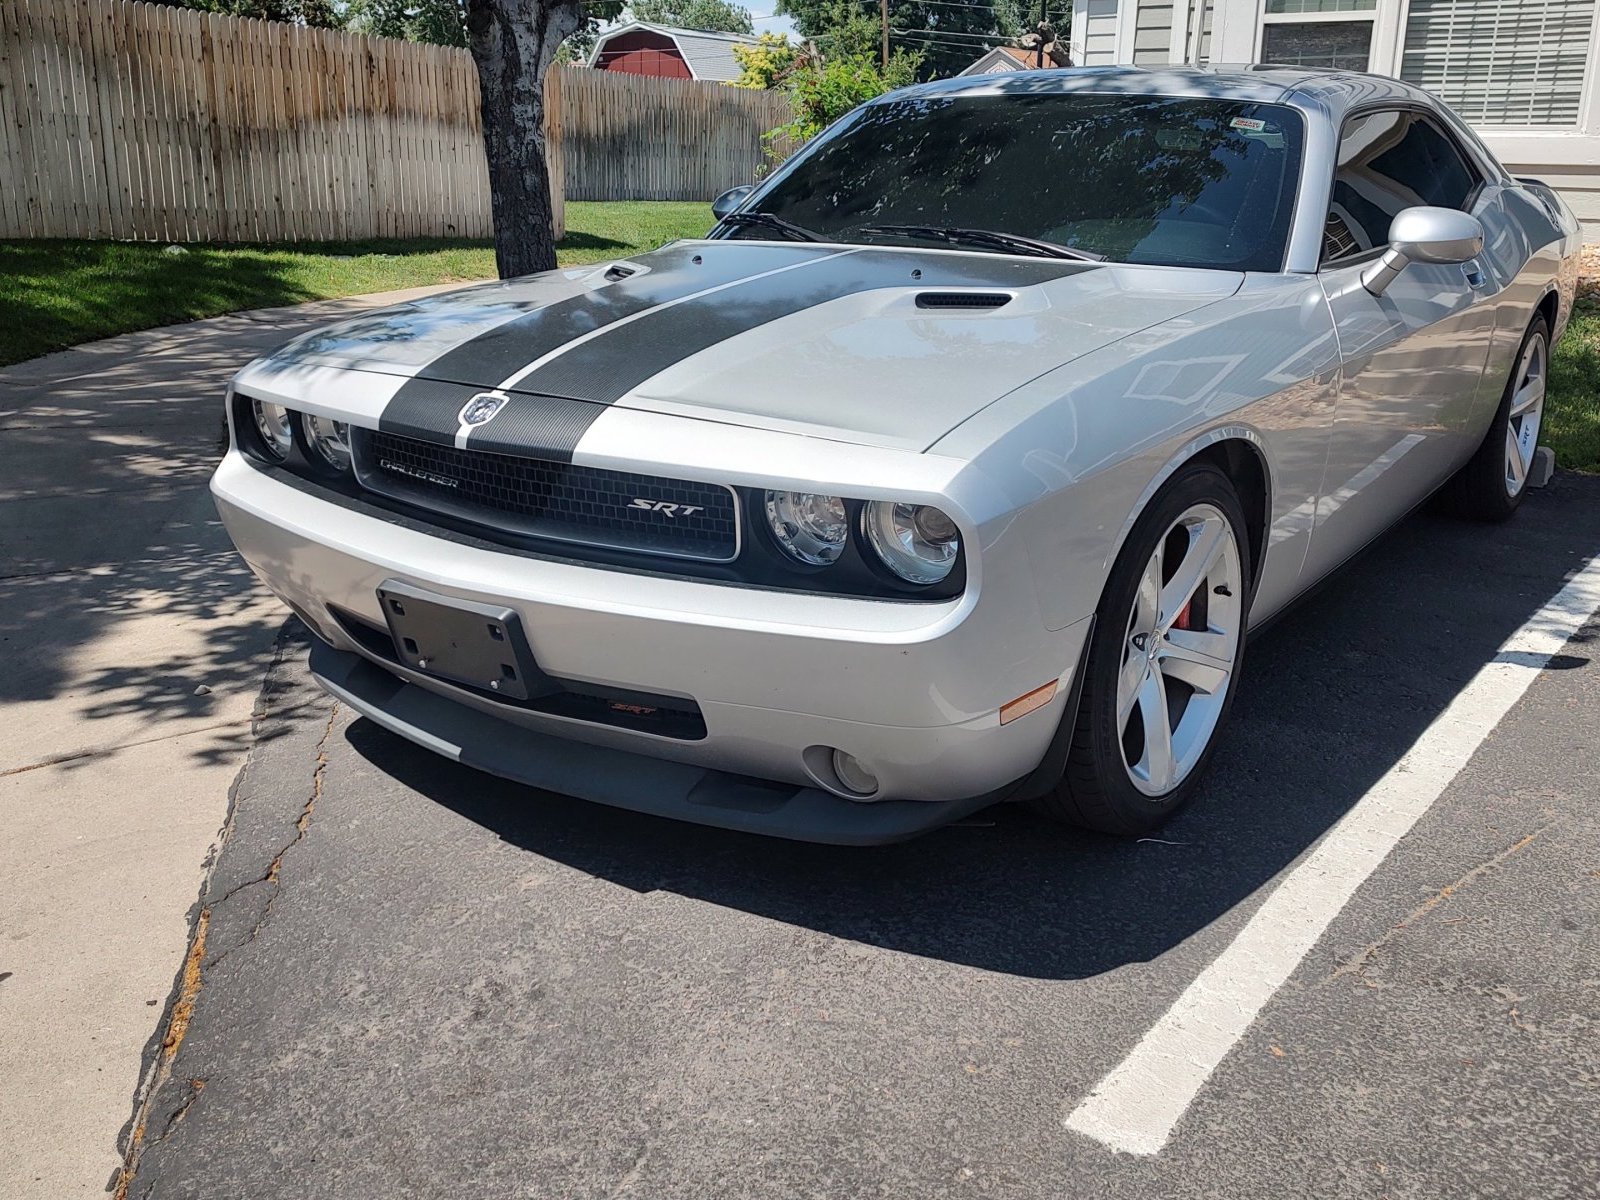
{"x":810,"y":528}
{"x":272,"y":425}
{"x":329,"y":441}
{"x":918,"y":542}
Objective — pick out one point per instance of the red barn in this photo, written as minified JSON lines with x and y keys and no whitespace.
{"x":640,"y":49}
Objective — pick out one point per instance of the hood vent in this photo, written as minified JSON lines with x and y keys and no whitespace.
{"x":962,"y":299}
{"x":619,"y":271}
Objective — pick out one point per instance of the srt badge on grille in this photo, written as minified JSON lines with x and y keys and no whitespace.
{"x":480,"y":410}
{"x":666,"y":508}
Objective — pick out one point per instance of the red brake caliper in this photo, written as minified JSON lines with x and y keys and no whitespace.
{"x":1181,"y":621}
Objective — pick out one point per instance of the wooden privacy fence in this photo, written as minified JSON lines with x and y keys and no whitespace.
{"x":131,"y":120}
{"x":140,"y":121}
{"x":631,"y":137}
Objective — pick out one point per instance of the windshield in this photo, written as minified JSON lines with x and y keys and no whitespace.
{"x":1137,"y":179}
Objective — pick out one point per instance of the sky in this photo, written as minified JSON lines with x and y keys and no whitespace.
{"x":766,"y":22}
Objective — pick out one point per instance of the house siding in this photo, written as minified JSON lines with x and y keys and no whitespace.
{"x":1152,"y":35}
{"x":1100,"y":33}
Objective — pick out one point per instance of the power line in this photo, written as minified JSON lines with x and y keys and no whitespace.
{"x":937,"y":44}
{"x":947,"y":4}
{"x":964,"y":37}
{"x":967,"y":46}
{"x":956,"y":33}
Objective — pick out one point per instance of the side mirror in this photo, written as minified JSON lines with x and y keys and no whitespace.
{"x":1426,"y":235}
{"x":730,"y":200}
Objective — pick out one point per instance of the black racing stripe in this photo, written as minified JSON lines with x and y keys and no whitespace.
{"x":533,"y":426}
{"x":427,"y":409}
{"x":607,"y":368}
{"x":552,"y":408}
{"x":675,"y":272}
{"x":537,"y":427}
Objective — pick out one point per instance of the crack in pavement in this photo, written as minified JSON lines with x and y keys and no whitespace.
{"x":177,"y":1026}
{"x":201,"y":944}
{"x":196,"y":1086}
{"x":302,"y":823}
{"x":1359,"y":963}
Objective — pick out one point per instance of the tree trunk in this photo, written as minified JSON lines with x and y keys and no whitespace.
{"x":512,"y":43}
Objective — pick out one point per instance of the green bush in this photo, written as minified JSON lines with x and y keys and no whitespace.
{"x":823,"y":92}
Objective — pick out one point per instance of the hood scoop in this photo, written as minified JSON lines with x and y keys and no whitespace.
{"x":959,"y":300}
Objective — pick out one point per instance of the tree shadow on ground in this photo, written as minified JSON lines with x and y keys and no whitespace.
{"x":590,"y":241}
{"x":125,"y":613}
{"x":1336,"y":694}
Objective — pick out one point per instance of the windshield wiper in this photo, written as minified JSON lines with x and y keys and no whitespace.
{"x":798,"y":233}
{"x":1013,"y":242}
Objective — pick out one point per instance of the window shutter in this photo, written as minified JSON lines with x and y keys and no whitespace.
{"x":1501,"y":62}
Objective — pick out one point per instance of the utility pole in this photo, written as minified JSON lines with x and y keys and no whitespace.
{"x":1044,"y":19}
{"x":883,"y":12}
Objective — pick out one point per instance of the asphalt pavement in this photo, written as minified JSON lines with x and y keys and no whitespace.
{"x":409,"y":979}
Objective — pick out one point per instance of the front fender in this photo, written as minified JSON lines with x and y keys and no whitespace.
{"x":1084,"y":448}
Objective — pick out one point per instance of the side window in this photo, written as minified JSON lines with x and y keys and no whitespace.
{"x":1389,"y":161}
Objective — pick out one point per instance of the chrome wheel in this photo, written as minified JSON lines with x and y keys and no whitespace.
{"x":1527,"y":411}
{"x":1179,"y":654}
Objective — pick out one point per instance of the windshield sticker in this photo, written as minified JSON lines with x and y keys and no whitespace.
{"x":1250,"y":123}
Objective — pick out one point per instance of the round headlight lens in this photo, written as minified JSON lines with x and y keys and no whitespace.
{"x":918,"y":542}
{"x":329,"y":441}
{"x":810,"y":528}
{"x":272,"y":424}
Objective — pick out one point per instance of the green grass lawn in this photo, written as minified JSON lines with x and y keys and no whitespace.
{"x":55,"y":294}
{"x":1572,"y":410}
{"x":59,"y":293}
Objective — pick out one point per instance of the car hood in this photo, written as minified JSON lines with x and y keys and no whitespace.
{"x":877,"y":346}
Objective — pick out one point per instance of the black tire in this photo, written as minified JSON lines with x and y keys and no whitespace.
{"x":1095,"y":791}
{"x":1478,"y":491}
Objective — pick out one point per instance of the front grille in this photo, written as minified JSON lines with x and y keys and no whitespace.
{"x":538,"y":498}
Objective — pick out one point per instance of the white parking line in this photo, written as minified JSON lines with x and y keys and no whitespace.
{"x":1135,"y":1107}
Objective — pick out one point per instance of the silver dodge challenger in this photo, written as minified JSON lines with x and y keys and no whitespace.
{"x":953,"y":466}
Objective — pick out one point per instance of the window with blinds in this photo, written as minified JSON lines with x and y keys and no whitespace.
{"x":1501,"y":62}
{"x":1281,"y":7}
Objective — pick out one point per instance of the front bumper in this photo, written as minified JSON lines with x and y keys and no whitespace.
{"x":780,"y":679}
{"x":631,"y":781}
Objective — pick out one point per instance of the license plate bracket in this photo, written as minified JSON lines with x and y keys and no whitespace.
{"x":481,"y":646}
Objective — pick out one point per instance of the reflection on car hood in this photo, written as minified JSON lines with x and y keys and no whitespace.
{"x":873,"y":345}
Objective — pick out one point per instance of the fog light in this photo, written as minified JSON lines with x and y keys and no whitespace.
{"x":855,"y":777}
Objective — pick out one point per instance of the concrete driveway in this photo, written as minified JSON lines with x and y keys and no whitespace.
{"x":408,"y":979}
{"x":134,"y":644}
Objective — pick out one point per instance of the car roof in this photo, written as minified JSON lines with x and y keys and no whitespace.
{"x":1328,"y":91}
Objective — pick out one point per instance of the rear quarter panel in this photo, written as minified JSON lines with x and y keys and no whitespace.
{"x":1533,"y":252}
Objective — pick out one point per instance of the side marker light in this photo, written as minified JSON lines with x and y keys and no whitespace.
{"x":1025,"y":704}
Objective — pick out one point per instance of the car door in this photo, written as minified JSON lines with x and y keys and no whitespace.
{"x":1413,"y":358}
